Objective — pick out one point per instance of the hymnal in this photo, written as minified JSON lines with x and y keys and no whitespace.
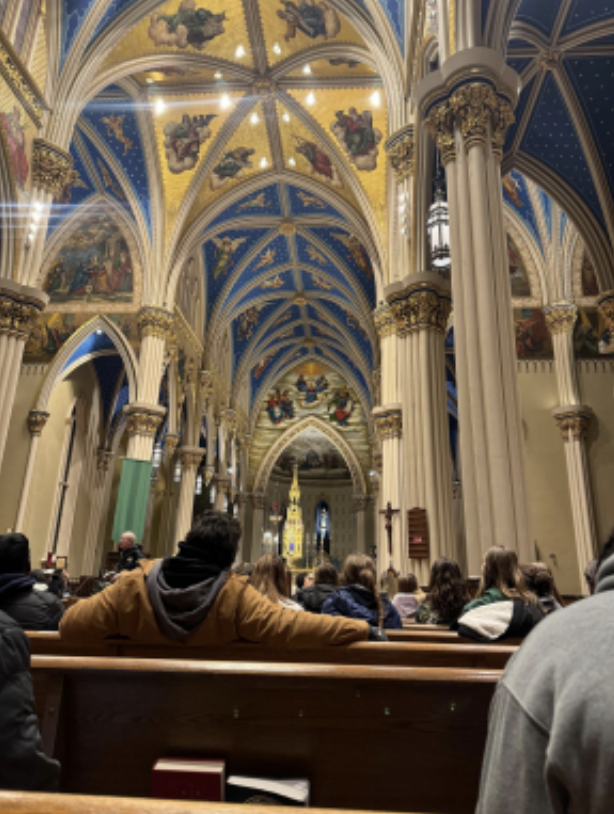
{"x":179,"y":779}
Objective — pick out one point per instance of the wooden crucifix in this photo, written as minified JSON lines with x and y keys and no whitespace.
{"x":389,"y":513}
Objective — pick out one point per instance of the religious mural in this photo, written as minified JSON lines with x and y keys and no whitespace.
{"x":52,"y":330}
{"x":224,"y":252}
{"x":320,"y":163}
{"x":341,"y":406}
{"x":115,"y":128}
{"x":592,"y":338}
{"x":189,"y":26}
{"x":231,"y":165}
{"x":14,"y":124}
{"x":312,"y":18}
{"x":182,"y":141}
{"x":92,"y":266}
{"x":357,"y":252}
{"x":311,"y":390}
{"x":519,"y":281}
{"x":74,"y":182}
{"x":358,"y":136}
{"x":533,"y":338}
{"x":316,"y":457}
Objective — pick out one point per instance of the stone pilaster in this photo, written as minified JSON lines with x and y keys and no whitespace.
{"x":190,"y":458}
{"x":467,"y":107}
{"x":388,"y":422}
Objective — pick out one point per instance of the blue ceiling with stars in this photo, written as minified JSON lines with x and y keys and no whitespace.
{"x":284,"y":285}
{"x":565,"y":115}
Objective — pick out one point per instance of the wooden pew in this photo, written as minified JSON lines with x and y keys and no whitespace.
{"x":434,"y":635}
{"x":15,"y":802}
{"x":393,"y":654}
{"x":367,"y":737}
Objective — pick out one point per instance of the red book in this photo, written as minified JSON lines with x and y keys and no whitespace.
{"x":185,"y":779}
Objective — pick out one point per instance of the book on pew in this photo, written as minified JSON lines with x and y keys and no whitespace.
{"x":178,"y":779}
{"x":264,"y":791}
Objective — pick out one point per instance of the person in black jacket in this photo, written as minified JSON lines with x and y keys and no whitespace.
{"x":129,"y":552}
{"x":23,"y":764}
{"x":325,"y":584}
{"x":31,"y":609}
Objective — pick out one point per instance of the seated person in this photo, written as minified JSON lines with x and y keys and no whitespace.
{"x":193,"y":598}
{"x":270,"y":578}
{"x":359,"y":597}
{"x":130,"y":553}
{"x":540,"y":582}
{"x":446,"y":596}
{"x":408,"y":598}
{"x":31,"y":609}
{"x":326,"y":582}
{"x":23,"y":764}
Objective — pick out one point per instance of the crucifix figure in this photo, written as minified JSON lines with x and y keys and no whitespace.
{"x":389,"y":513}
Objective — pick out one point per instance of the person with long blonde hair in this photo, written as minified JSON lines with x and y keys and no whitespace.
{"x":359,"y":597}
{"x":270,"y":578}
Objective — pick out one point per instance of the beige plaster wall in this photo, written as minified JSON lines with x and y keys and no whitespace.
{"x":548,"y":489}
{"x":596,"y":381}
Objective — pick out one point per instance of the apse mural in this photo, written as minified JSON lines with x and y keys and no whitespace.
{"x":52,"y":330}
{"x":93,"y":266}
{"x":519,"y":281}
{"x":315,"y":455}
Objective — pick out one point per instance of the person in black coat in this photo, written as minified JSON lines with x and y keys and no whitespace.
{"x":326,"y":582}
{"x":31,"y":609}
{"x":359,"y":597}
{"x":23,"y":764}
{"x":130,"y":554}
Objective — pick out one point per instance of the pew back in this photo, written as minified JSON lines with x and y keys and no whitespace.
{"x":366,"y":737}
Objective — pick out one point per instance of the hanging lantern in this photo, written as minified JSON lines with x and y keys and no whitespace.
{"x":156,"y":458}
{"x":438,"y":228}
{"x":198,"y":487}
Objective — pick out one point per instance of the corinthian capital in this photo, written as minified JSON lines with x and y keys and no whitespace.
{"x":481,"y":114}
{"x":385,"y":324}
{"x":51,"y":166}
{"x":36,"y":421}
{"x":388,"y":421}
{"x":561,"y":317}
{"x":573,"y":421}
{"x":400,"y":151}
{"x":440,"y":124}
{"x":153,"y":321}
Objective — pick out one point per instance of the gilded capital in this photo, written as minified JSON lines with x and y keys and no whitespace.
{"x":153,"y":321}
{"x":51,"y":167}
{"x":400,"y":151}
{"x":17,"y":316}
{"x":606,"y":308}
{"x":143,"y":419}
{"x":385,"y":324}
{"x":388,"y":422}
{"x":440,"y":124}
{"x":481,"y":114}
{"x":104,"y":458}
{"x":191,"y":457}
{"x":561,"y":317}
{"x":171,"y":442}
{"x":36,"y":421}
{"x":421,"y":308}
{"x":573,"y":421}
{"x":208,"y":474}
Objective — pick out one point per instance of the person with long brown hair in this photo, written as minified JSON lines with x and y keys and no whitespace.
{"x":446,"y":597}
{"x":270,"y":578}
{"x":408,"y":597}
{"x":359,"y":597}
{"x":540,"y":581}
{"x":502,"y":580}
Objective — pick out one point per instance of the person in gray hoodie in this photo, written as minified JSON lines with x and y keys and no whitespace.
{"x":550,"y":744}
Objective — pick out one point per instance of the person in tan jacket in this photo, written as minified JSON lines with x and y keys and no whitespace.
{"x":193,"y":598}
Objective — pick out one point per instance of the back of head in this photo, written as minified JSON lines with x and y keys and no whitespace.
{"x":326,"y":574}
{"x":358,"y":569}
{"x":214,"y":539}
{"x":538,"y":579}
{"x":606,"y":552}
{"x":14,"y":554}
{"x":501,"y":571}
{"x":408,"y":584}
{"x":389,"y":582}
{"x":270,"y":577}
{"x":300,"y":581}
{"x":447,"y":593}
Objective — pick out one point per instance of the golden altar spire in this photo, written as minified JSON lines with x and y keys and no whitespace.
{"x":293,"y":529}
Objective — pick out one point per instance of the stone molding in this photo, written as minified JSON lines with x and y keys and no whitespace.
{"x":573,"y":421}
{"x":561,"y":317}
{"x":51,"y":167}
{"x":19,"y":308}
{"x":20,"y":81}
{"x":171,"y":442}
{"x":153,"y":321}
{"x":143,"y":419}
{"x":190,"y":457}
{"x":36,"y":421}
{"x":388,"y":421}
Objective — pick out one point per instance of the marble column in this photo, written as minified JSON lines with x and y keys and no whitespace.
{"x":573,"y":418}
{"x":360,"y":504}
{"x":467,"y":107}
{"x":37,"y":420}
{"x":421,"y":306}
{"x":388,"y":420}
{"x":222,"y":493}
{"x":19,"y":308}
{"x":259,"y":503}
{"x":190,"y":458}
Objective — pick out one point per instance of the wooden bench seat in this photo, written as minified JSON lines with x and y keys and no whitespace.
{"x":20,"y":803}
{"x":376,"y":738}
{"x":400,"y":654}
{"x":441,"y":635}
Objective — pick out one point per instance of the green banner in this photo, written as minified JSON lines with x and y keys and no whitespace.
{"x":132,"y":499}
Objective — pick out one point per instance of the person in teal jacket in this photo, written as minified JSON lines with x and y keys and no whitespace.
{"x":502,"y":580}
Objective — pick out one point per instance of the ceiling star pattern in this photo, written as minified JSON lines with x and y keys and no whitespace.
{"x":564,"y":125}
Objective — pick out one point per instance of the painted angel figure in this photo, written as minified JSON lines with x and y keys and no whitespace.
{"x":115,"y":127}
{"x":231,"y":165}
{"x":358,"y":137}
{"x":358,"y":253}
{"x":183,"y":139}
{"x":189,"y":26}
{"x":314,"y":19}
{"x":224,"y":252}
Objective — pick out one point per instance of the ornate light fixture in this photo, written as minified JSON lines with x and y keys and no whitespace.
{"x":438,"y":227}
{"x":198,"y":487}
{"x":177,"y":472}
